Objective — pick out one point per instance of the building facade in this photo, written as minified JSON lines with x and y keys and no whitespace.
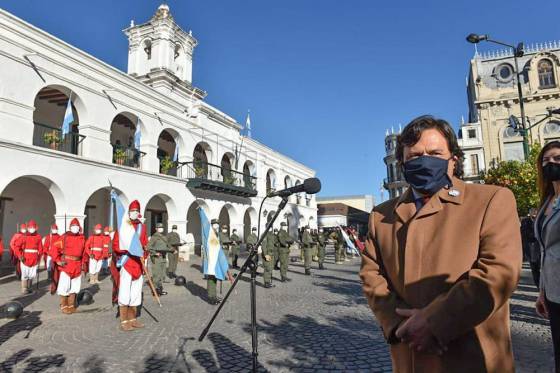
{"x":470,"y":141}
{"x":493,"y":98}
{"x":361,"y":202}
{"x":147,"y":132}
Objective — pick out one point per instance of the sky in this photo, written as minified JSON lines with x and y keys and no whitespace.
{"x":324,"y":79}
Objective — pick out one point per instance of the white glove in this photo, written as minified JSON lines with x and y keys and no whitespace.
{"x":259,"y":250}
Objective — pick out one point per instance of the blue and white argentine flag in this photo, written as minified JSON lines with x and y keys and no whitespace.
{"x":129,"y":238}
{"x":350,"y":248}
{"x":68,"y":118}
{"x":215,"y":261}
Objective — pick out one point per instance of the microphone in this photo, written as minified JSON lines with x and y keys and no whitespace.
{"x":309,"y":186}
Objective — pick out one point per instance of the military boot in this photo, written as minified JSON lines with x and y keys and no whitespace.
{"x":308,"y":272}
{"x":132,"y":318}
{"x":71,"y":304}
{"x":63,"y":303}
{"x":24,"y":286}
{"x":321,"y":266}
{"x":125,"y":323}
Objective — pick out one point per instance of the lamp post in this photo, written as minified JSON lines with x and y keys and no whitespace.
{"x":517,"y":52}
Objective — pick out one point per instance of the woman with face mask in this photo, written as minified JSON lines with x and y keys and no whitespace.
{"x":547,"y":232}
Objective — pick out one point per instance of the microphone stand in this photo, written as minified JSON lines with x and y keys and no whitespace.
{"x":251,"y":264}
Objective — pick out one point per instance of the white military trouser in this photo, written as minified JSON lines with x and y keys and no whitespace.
{"x":95,"y":265}
{"x":28,"y":273}
{"x":67,"y":285}
{"x":130,"y":291}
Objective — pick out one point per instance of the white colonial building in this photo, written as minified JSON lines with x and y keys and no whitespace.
{"x":51,"y":178}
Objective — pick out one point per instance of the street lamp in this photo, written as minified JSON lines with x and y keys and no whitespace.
{"x":518,"y":51}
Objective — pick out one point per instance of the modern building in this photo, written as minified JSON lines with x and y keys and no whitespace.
{"x":147,"y":132}
{"x":394,"y":182}
{"x":364,"y":202}
{"x":333,"y":214}
{"x":470,"y":141}
{"x":493,"y":98}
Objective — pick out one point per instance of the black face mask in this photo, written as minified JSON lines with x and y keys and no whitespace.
{"x":427,"y":174}
{"x":552,"y":171}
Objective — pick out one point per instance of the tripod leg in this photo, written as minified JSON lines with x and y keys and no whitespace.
{"x":254,"y":315}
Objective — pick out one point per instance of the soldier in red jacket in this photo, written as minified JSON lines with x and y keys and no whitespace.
{"x":48,"y":241}
{"x":130,"y":276}
{"x":29,"y":250}
{"x":68,"y":256}
{"x":13,"y":243}
{"x":97,"y":249}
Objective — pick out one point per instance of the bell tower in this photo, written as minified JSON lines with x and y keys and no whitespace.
{"x":159,"y":50}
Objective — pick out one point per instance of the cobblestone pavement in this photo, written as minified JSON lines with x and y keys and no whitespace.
{"x":311,"y":324}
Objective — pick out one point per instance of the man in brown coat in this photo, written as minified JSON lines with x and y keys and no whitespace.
{"x":442,"y":261}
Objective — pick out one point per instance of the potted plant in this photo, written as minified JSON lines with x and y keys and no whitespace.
{"x":120,"y":156}
{"x":200,"y":171}
{"x":166,"y":165}
{"x":229,"y":179}
{"x":52,"y":139}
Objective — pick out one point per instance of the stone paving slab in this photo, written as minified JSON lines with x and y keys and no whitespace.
{"x":312,"y":324}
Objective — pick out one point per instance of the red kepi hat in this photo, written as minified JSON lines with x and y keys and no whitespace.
{"x":134,"y":205}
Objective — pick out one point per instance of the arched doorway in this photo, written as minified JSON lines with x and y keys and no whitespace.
{"x":97,"y":209}
{"x":249,"y":175}
{"x":249,"y":221}
{"x":193,"y":223}
{"x":270,"y":181}
{"x":156,"y":212}
{"x":23,"y":199}
{"x":52,"y":105}
{"x":298,"y":195}
{"x":224,"y":218}
{"x":126,"y":151}
{"x":167,"y":153}
{"x":201,"y":154}
{"x":226,"y":166}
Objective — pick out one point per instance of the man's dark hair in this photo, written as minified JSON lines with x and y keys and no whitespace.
{"x":413,"y":130}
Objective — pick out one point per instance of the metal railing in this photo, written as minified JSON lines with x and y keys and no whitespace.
{"x":168,"y":167}
{"x":50,"y":137}
{"x":212,"y":172}
{"x":130,"y":157}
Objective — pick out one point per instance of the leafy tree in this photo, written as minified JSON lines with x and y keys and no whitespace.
{"x":519,"y":177}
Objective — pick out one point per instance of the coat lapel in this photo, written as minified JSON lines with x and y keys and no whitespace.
{"x":553,"y":216}
{"x":406,"y":208}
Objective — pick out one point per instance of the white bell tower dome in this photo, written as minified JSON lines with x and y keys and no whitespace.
{"x":160,"y":48}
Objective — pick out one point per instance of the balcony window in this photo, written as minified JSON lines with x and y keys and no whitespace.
{"x":125,"y":140}
{"x":546,"y":74}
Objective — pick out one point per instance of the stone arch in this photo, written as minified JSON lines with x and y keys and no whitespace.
{"x":157,"y":210}
{"x":122,"y":138}
{"x":534,"y":68}
{"x":298,"y":195}
{"x":169,"y":142}
{"x":249,"y":220}
{"x":50,"y":105}
{"x":510,"y":141}
{"x":249,"y":170}
{"x":227,"y":164}
{"x":29,"y":197}
{"x":97,"y":208}
{"x":270,"y":180}
{"x":202,"y":155}
{"x":194,"y":229}
{"x":228,"y":215}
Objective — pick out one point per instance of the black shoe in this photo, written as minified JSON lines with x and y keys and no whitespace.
{"x":277,"y":268}
{"x":161,"y":292}
{"x":283,"y":279}
{"x":214,"y":301}
{"x":173,"y":275}
{"x":321,"y":266}
{"x":308,"y":272}
{"x":269,"y":285}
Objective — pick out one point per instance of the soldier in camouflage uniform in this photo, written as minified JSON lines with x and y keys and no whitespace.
{"x":307,"y":247}
{"x":268,"y":247}
{"x":158,"y":247}
{"x":284,"y":243}
{"x":225,"y":241}
{"x":276,"y":252}
{"x":339,"y":245}
{"x":235,"y":244}
{"x":173,"y":257}
{"x":321,"y":247}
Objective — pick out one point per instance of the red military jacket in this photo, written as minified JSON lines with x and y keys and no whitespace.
{"x":13,"y":243}
{"x":133,"y":265}
{"x":48,"y":243}
{"x":70,"y":249}
{"x":98,"y":246}
{"x":29,"y":248}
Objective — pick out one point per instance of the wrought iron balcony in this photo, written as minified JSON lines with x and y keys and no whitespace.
{"x":50,"y":137}
{"x":130,"y":157}
{"x":202,"y":175}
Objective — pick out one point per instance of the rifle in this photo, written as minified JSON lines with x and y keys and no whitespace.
{"x":150,"y":282}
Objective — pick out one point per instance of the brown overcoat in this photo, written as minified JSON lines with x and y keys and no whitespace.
{"x":458,"y":259}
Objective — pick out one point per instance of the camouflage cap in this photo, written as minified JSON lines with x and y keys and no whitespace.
{"x":174,"y":226}
{"x":159,"y":225}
